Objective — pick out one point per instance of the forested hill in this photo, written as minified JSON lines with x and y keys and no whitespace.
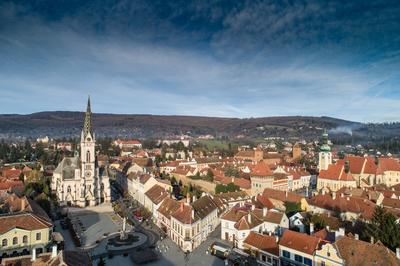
{"x":68,"y":124}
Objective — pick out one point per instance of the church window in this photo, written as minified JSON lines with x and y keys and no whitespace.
{"x":88,"y":156}
{"x":69,"y":189}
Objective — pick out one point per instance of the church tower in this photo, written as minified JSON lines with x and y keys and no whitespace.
{"x":88,"y":158}
{"x":325,"y":155}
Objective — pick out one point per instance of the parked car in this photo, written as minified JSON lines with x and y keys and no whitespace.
{"x":219,"y":250}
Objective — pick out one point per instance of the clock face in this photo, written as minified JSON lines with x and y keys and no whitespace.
{"x":87,"y":174}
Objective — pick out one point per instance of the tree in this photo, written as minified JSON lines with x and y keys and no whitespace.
{"x":383,"y":227}
{"x":101,"y":262}
{"x":173,"y":180}
{"x":292,"y":207}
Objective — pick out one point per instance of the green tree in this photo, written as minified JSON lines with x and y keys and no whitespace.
{"x":383,"y":227}
{"x":292,"y":207}
{"x":101,"y":262}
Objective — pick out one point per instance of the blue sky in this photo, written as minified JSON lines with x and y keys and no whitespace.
{"x":214,"y":58}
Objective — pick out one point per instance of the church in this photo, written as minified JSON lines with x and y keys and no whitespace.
{"x":78,"y":181}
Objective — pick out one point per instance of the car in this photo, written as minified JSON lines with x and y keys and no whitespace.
{"x":219,"y":250}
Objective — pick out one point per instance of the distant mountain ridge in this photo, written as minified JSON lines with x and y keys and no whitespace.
{"x":59,"y":124}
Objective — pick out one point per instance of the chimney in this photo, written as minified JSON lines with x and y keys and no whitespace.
{"x":333,"y":195}
{"x":356,"y":236}
{"x":233,"y":179}
{"x":181,"y":207}
{"x":270,"y":233}
{"x":23,"y":204}
{"x":286,"y":193}
{"x":348,"y":198}
{"x":249,"y":218}
{"x":323,"y":192}
{"x":398,"y":253}
{"x":372,"y":240}
{"x":194,"y":198}
{"x":54,"y":251}
{"x":253,"y":207}
{"x":346,"y":167}
{"x":265,"y":210}
{"x":192,"y":213}
{"x":327,"y":228}
{"x":33,"y":254}
{"x":311,"y":228}
{"x":188,"y":198}
{"x":277,"y":239}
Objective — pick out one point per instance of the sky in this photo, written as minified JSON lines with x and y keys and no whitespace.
{"x":210,"y":58}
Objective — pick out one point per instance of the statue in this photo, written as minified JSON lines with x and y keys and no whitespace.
{"x":123,"y":235}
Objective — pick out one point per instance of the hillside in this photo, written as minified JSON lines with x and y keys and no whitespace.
{"x":68,"y":124}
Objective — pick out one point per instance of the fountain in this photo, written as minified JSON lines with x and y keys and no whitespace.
{"x":124,"y":238}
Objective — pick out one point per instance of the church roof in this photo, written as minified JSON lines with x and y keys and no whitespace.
{"x":87,"y":126}
{"x":67,"y":167}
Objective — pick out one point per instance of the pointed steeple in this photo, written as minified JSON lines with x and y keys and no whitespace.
{"x":87,"y":126}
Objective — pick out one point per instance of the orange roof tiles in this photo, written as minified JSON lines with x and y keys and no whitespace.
{"x":261,"y":169}
{"x":299,"y":241}
{"x":263,"y":242}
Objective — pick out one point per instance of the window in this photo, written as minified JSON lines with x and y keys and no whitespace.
{"x":25,"y":239}
{"x":307,"y":262}
{"x":69,"y":189}
{"x":298,"y":258}
{"x":15,"y":240}
{"x":88,"y":156}
{"x":38,"y":236}
{"x":263,"y":258}
{"x":286,"y":254}
{"x":4,"y":243}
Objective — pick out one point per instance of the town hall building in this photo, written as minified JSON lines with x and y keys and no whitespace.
{"x":78,"y":181}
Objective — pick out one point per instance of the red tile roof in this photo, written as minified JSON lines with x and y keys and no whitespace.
{"x":261,"y":169}
{"x":336,"y":172}
{"x":282,"y":195}
{"x":299,"y":241}
{"x":357,"y":205}
{"x":262,"y":242}
{"x":357,"y":252}
{"x":26,"y":221}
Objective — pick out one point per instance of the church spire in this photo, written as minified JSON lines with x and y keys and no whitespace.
{"x":87,"y":126}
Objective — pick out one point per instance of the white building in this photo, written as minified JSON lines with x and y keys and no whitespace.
{"x":77,"y":181}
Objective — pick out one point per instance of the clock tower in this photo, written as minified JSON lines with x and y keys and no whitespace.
{"x":88,"y":158}
{"x":325,"y":155}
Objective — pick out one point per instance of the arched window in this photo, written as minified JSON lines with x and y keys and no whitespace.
{"x":69,"y":189}
{"x":25,"y":239}
{"x":4,"y":243}
{"x":15,"y":240}
{"x":88,"y":156}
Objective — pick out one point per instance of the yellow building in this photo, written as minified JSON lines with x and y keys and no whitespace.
{"x":20,"y":233}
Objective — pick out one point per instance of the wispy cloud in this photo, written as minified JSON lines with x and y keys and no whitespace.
{"x":247,"y":59}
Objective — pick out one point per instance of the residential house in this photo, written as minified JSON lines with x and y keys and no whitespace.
{"x":297,"y":248}
{"x":153,"y":199}
{"x":264,"y":248}
{"x":191,"y":224}
{"x":23,"y":231}
{"x":139,"y":184}
{"x":238,"y":222}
